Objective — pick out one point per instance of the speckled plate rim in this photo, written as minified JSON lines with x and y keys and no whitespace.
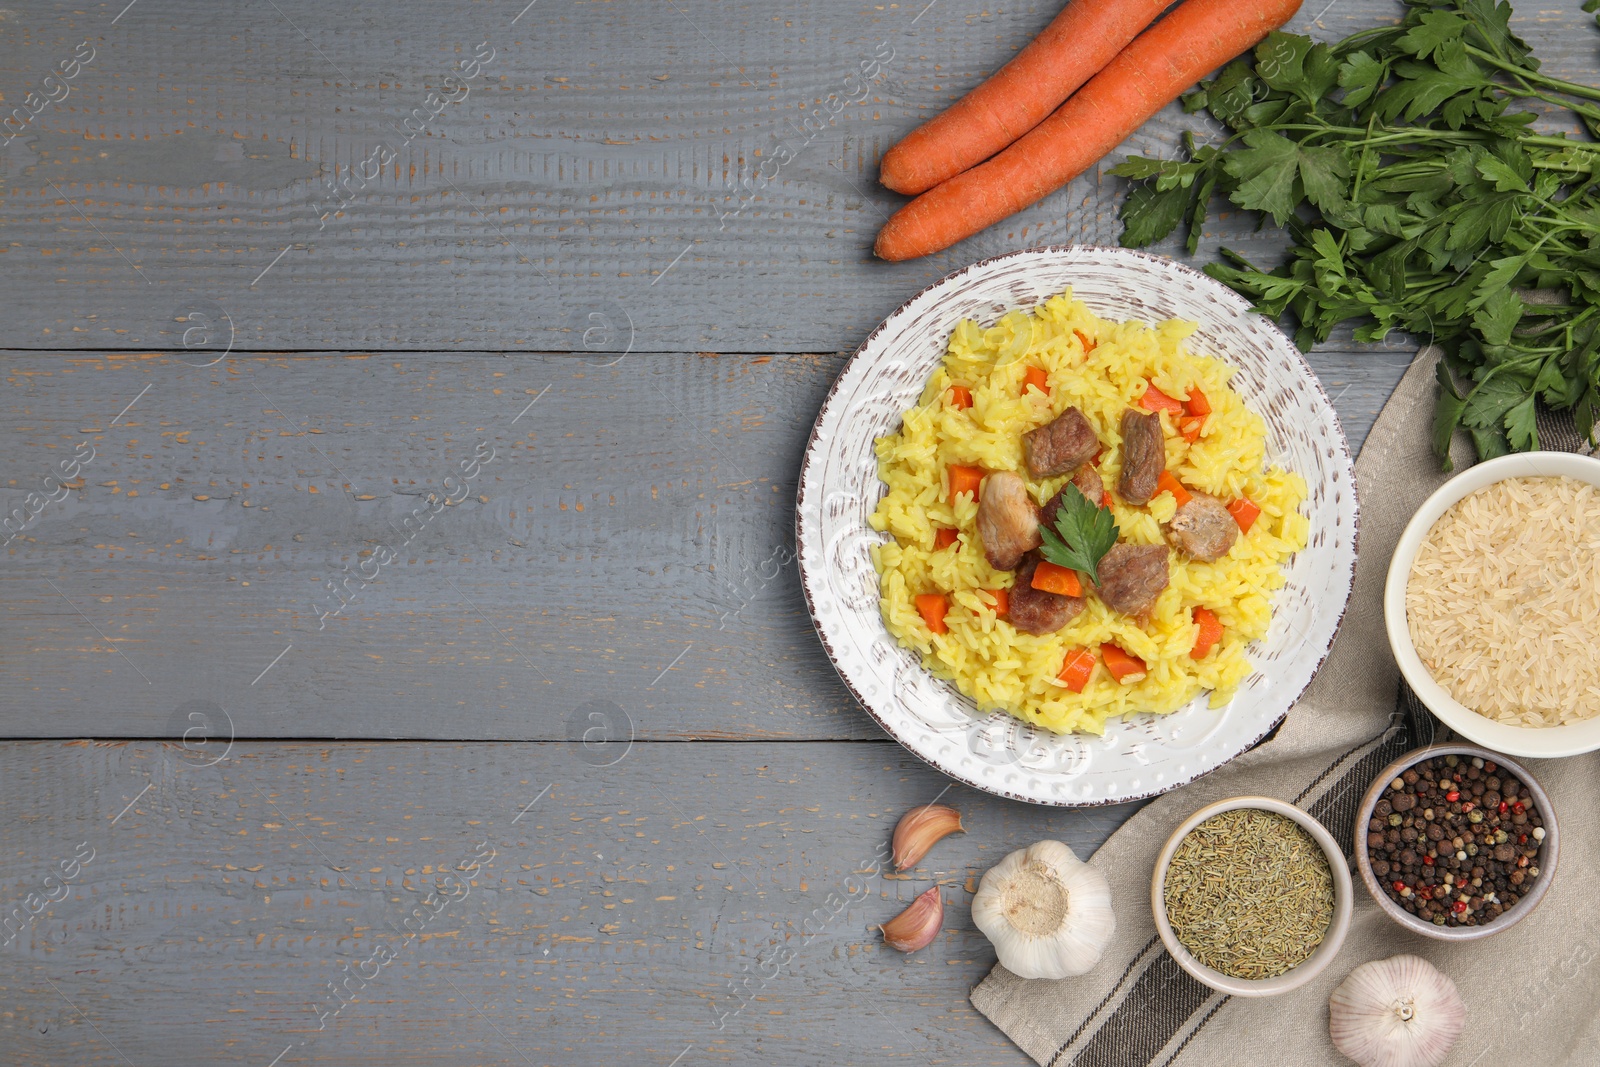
{"x":808,"y":489}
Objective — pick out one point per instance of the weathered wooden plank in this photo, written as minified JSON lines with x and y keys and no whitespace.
{"x":632,"y":511}
{"x":609,"y":157}
{"x":629,"y":541}
{"x":632,"y":913}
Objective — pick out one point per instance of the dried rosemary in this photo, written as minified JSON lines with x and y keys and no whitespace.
{"x":1249,"y":893}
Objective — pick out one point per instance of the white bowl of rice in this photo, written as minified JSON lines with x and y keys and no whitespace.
{"x":1492,"y":604}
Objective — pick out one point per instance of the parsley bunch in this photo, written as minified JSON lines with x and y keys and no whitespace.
{"x":1418,"y":195}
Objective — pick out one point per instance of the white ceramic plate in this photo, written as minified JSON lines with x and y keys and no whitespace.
{"x":1534,"y":742}
{"x":839,"y":488}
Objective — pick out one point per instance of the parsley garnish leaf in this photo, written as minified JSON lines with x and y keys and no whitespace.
{"x":1083,"y":534}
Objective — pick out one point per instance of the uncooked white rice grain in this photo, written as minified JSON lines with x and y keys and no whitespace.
{"x":1503,"y":601}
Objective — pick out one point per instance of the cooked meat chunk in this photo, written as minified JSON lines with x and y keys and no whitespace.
{"x":1033,"y":611}
{"x":1132,"y":576}
{"x":1203,"y":529}
{"x":1059,"y":445}
{"x":1008,"y":521}
{"x":1144,"y":455}
{"x":1089,"y":484}
{"x":1087,"y":479}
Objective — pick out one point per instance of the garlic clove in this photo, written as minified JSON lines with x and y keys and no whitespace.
{"x":920,"y":829}
{"x":1047,"y":912}
{"x":918,"y":925}
{"x":1398,"y":1012}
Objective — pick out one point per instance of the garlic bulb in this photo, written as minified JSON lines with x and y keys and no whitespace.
{"x":1398,"y":1012}
{"x":918,"y":925}
{"x":920,"y":828}
{"x":1047,"y":912}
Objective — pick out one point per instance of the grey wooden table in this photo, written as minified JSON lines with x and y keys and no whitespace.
{"x":568,"y":779}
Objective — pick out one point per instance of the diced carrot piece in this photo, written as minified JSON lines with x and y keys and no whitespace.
{"x":965,"y":480}
{"x":944,"y":537}
{"x":1168,"y":484}
{"x":1245,"y":512}
{"x":1155,"y":400}
{"x":1037,"y":378}
{"x":1050,"y":578}
{"x":1210,"y":632}
{"x":1197,"y":403}
{"x":1088,"y":345}
{"x":932,"y":607}
{"x":1002,"y":600}
{"x":1123,"y":667}
{"x":1190,"y":428}
{"x":960,"y":397}
{"x":1105,"y":498}
{"x":1077,"y":669}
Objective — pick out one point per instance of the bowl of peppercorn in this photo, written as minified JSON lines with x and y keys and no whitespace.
{"x":1456,"y":842}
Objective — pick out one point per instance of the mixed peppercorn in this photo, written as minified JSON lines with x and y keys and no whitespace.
{"x":1454,"y":841}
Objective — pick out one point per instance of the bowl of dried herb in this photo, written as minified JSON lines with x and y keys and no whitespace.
{"x":1252,"y":896}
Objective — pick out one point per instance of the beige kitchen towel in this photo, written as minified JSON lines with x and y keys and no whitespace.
{"x":1532,"y":993}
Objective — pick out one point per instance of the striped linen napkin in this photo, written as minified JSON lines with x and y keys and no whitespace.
{"x":1531,"y":992}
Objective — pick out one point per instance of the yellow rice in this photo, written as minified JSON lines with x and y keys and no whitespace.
{"x":1002,"y":668}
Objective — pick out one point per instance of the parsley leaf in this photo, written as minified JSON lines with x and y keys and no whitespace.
{"x":1490,"y":28}
{"x":1422,"y":89}
{"x":1230,"y":94}
{"x":1280,"y":60}
{"x":1504,"y":175}
{"x":1520,"y":428}
{"x":1325,"y":174}
{"x":1432,"y":32}
{"x":1360,"y":77}
{"x":1268,"y":173}
{"x":1446,"y":415}
{"x":1083,"y":534}
{"x":1149,"y":214}
{"x":1498,"y":316}
{"x":1587,"y":413}
{"x":1491,"y":401}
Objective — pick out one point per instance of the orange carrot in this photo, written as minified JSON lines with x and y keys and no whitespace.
{"x":1196,"y":38}
{"x":1077,"y":669}
{"x":1210,"y":632}
{"x":1197,"y":403}
{"x":965,"y":480}
{"x":1190,"y":428}
{"x":1088,"y":345}
{"x":960,"y":397}
{"x":1244,"y":512}
{"x":1155,"y":400}
{"x":1036,"y":377}
{"x":1002,"y":600}
{"x":1050,"y":578}
{"x":1073,"y":48}
{"x":1168,"y":484}
{"x":1105,"y":498}
{"x":932,"y":607}
{"x":1123,"y":667}
{"x":944,"y":537}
